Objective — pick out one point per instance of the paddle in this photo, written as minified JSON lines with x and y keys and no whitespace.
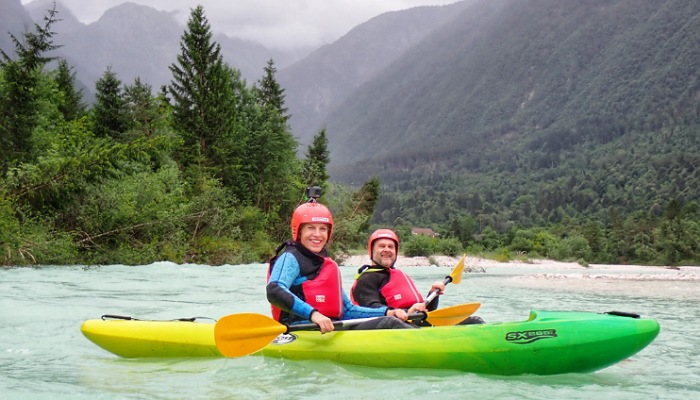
{"x":455,"y":277}
{"x":238,"y":335}
{"x":451,"y":315}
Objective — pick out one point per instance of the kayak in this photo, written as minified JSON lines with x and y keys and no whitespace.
{"x":548,"y":342}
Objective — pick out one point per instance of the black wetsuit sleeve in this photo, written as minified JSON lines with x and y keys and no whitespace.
{"x":367,"y":290}
{"x":279,"y":297}
{"x":284,"y":273}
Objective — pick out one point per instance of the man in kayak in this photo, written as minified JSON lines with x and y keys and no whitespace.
{"x":382,"y":285}
{"x":304,"y":284}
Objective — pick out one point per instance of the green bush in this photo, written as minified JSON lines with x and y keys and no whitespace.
{"x":36,"y":244}
{"x":574,"y":248}
{"x":503,"y":255}
{"x":533,"y":243}
{"x":9,"y":226}
{"x":419,"y":246}
{"x":449,"y":247}
{"x":426,"y":246}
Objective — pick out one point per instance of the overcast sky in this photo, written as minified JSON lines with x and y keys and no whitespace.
{"x":280,"y":24}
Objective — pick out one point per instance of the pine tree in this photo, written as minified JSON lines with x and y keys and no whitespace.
{"x":143,"y":108}
{"x":72,"y":106}
{"x":270,"y":92}
{"x":203,"y":101}
{"x":352,"y":213}
{"x":316,"y":161}
{"x":367,"y":197}
{"x":271,"y":159}
{"x":110,"y":116}
{"x":19,"y":94}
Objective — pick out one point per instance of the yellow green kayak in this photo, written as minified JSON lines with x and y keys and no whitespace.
{"x":548,"y":342}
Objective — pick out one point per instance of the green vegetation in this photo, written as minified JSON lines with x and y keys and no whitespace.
{"x":206,"y":171}
{"x":582,"y":145}
{"x":567,"y":130}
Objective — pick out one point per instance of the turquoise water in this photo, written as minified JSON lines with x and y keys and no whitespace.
{"x":44,"y":355}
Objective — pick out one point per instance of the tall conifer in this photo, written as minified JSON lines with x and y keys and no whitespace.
{"x":72,"y":106}
{"x":110,"y":115}
{"x":316,"y":161}
{"x":19,"y":94}
{"x":203,"y":101}
{"x":271,"y":160}
{"x":270,"y":93}
{"x":144,"y":109}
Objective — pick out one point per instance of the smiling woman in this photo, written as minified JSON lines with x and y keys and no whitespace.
{"x":314,"y":236}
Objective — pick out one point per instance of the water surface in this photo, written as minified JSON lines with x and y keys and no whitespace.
{"x":44,"y":355}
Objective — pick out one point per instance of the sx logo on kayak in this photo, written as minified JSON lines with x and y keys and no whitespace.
{"x":525,"y":337}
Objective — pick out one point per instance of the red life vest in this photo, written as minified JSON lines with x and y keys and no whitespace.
{"x":324,"y":292}
{"x":400,"y":291}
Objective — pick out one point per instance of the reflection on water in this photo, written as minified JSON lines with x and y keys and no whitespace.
{"x":44,"y":355}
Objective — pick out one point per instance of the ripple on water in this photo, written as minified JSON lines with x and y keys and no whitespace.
{"x":44,"y":355}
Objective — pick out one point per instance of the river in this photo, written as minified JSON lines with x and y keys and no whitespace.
{"x":44,"y":355}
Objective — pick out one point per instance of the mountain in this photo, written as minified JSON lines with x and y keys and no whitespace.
{"x":132,"y":40}
{"x":67,"y":21}
{"x":15,"y":20}
{"x":320,"y":82}
{"x":435,"y":92}
{"x":520,"y":70}
{"x":534,"y":101}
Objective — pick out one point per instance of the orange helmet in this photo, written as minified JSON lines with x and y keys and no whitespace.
{"x":311,"y":213}
{"x":382,"y":234}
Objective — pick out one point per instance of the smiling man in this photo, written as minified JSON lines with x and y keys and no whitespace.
{"x":382,"y":285}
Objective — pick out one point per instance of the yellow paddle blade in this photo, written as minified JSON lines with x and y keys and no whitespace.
{"x":456,"y":274}
{"x":452,"y":315}
{"x":238,"y":335}
{"x":455,"y":277}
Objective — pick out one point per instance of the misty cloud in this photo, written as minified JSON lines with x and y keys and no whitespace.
{"x":283,"y":25}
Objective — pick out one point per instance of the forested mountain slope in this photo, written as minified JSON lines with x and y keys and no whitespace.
{"x":320,"y":82}
{"x":530,"y":112}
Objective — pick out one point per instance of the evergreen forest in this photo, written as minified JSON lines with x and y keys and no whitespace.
{"x":206,"y":169}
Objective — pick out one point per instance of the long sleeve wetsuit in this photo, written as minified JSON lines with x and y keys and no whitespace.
{"x":367,"y":291}
{"x":286,"y":273}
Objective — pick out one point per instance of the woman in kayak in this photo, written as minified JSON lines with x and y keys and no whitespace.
{"x":382,"y":285}
{"x":304,"y":284}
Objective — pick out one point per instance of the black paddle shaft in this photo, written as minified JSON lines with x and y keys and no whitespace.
{"x":340,"y":325}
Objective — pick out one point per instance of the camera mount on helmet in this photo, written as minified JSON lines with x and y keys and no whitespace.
{"x":313,"y":193}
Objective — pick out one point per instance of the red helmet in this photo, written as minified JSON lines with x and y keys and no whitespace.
{"x":382,"y":234}
{"x":311,"y":213}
